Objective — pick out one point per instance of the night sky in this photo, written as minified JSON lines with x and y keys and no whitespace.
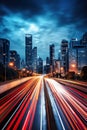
{"x":49,"y":21}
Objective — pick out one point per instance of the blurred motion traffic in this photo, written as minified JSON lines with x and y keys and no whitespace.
{"x":41,"y":103}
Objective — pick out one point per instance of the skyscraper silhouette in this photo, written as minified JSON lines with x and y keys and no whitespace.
{"x":52,"y":55}
{"x":4,"y":51}
{"x":28,"y":51}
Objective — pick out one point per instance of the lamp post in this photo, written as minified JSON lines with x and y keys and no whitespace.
{"x":73,"y":65}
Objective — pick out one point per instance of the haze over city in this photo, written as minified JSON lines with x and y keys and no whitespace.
{"x":48,"y":21}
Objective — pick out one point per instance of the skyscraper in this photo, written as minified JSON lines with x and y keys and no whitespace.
{"x":47,"y":61}
{"x":52,"y":55}
{"x":64,"y":55}
{"x":73,"y":59}
{"x":40,"y":65}
{"x":47,"y":66}
{"x":15,"y":58}
{"x":34,"y":59}
{"x":78,"y":54}
{"x":28,"y":50}
{"x":4,"y":51}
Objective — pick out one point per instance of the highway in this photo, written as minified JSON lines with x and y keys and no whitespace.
{"x":40,"y":103}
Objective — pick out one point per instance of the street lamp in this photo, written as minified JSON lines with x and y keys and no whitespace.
{"x":11,"y":64}
{"x":61,"y":68}
{"x":23,"y":69}
{"x":73,"y":65}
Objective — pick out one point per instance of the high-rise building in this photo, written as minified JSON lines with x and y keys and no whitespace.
{"x":64,"y":55}
{"x":15,"y":59}
{"x":22,"y":64}
{"x":57,"y":66}
{"x":47,"y":61}
{"x":40,"y":65}
{"x":47,"y":66}
{"x":34,"y":59}
{"x":1,"y":51}
{"x":28,"y":50}
{"x":52,"y":55}
{"x":73,"y":59}
{"x":4,"y":51}
{"x":78,"y":54}
{"x":84,"y":38}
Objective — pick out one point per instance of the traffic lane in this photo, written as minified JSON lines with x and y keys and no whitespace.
{"x":60,"y":122}
{"x":9,"y":100}
{"x":72,"y":107}
{"x":76,"y":91}
{"x":17,"y":97}
{"x":81,"y":86}
{"x":40,"y":122}
{"x":7,"y":86}
{"x":28,"y":123}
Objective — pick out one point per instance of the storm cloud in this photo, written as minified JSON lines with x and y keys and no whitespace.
{"x":49,"y":21}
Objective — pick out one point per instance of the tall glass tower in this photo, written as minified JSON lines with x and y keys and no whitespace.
{"x":4,"y":51}
{"x":52,"y":55}
{"x":28,"y":50}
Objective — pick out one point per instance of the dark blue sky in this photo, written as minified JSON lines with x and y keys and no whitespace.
{"x":49,"y":21}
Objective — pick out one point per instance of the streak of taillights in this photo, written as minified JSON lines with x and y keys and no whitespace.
{"x":72,"y":108}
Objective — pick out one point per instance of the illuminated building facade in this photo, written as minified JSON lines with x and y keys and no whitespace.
{"x":64,"y":56}
{"x":78,"y":54}
{"x":15,"y":59}
{"x":40,"y":65}
{"x":28,"y":50}
{"x":34,"y":59}
{"x":4,"y":51}
{"x":52,"y":56}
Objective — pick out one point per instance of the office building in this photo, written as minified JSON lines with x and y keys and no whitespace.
{"x":64,"y":56}
{"x":40,"y":65}
{"x":47,"y":61}
{"x":78,"y":54}
{"x":52,"y":55}
{"x":15,"y":59}
{"x":4,"y":51}
{"x":34,"y":59}
{"x":47,"y":66}
{"x":28,"y":51}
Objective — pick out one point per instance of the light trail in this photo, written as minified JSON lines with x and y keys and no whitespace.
{"x":43,"y":111}
{"x":32,"y":109}
{"x":8,"y":86}
{"x":44,"y":100}
{"x":57,"y":116}
{"x":15,"y":97}
{"x":75,"y":110}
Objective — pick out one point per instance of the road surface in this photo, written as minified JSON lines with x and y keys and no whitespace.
{"x":43,"y":104}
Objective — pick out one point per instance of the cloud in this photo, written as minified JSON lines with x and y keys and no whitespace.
{"x":64,"y":12}
{"x":74,"y":13}
{"x":49,"y":21}
{"x":27,"y":8}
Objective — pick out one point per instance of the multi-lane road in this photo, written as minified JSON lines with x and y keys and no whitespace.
{"x":39,"y":103}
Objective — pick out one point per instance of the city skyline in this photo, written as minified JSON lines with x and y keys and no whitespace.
{"x":48,"y":21}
